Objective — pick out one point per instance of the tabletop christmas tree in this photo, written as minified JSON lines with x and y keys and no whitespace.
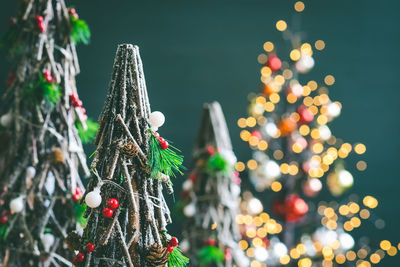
{"x":127,"y":213}
{"x":41,"y":122}
{"x":212,"y":196}
{"x":294,"y":153}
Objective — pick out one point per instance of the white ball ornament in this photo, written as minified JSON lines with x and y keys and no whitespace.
{"x":16,"y":205}
{"x":6,"y":120}
{"x":187,"y":185}
{"x":48,"y":241}
{"x":30,"y":172}
{"x":156,"y":119}
{"x":93,"y":199}
{"x":189,"y":210}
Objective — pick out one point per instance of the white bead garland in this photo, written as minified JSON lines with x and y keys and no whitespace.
{"x":16,"y":205}
{"x":93,"y":199}
{"x":156,"y":119}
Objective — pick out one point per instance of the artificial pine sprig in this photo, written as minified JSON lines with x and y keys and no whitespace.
{"x":177,"y":259}
{"x":163,"y":161}
{"x":210,"y":254}
{"x":79,"y":213}
{"x":51,"y":91}
{"x":80,"y":32}
{"x":87,"y":136}
{"x":42,"y":89}
{"x":217,"y":163}
{"x":3,"y":232}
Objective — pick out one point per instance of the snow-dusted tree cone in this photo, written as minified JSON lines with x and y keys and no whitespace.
{"x":211,"y":196}
{"x":42,"y":120}
{"x":127,"y":211}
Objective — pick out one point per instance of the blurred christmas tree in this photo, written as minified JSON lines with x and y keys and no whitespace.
{"x":212,"y":196}
{"x":294,"y":150}
{"x":127,"y":211}
{"x":42,"y":151}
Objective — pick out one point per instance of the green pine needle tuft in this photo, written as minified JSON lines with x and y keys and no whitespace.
{"x":177,"y":259}
{"x":210,"y":254}
{"x":41,"y":89}
{"x":165,"y":161}
{"x":217,"y":163}
{"x":80,"y":32}
{"x":79,"y":212}
{"x":3,"y":232}
{"x":87,"y":136}
{"x":51,"y":91}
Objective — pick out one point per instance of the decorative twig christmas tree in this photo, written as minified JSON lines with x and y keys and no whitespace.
{"x":42,"y":155}
{"x":212,"y":192}
{"x":127,"y":211}
{"x":295,"y":152}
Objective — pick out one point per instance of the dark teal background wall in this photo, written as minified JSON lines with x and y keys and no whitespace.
{"x":198,"y":51}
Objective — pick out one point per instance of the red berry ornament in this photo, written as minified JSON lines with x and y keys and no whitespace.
{"x":74,"y":100}
{"x":193,"y":176}
{"x":89,"y":247}
{"x":170,"y":248}
{"x":156,"y":135}
{"x":80,"y":257}
{"x":210,"y":150}
{"x":77,"y":195}
{"x":3,"y":219}
{"x":73,"y":13}
{"x":113,"y":203}
{"x":174,"y":242}
{"x":47,"y":76}
{"x":300,"y":207}
{"x":211,"y":241}
{"x":163,"y":144}
{"x":39,"y":20}
{"x":108,"y":213}
{"x":296,"y":208}
{"x":236,"y":178}
{"x":228,"y":254}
